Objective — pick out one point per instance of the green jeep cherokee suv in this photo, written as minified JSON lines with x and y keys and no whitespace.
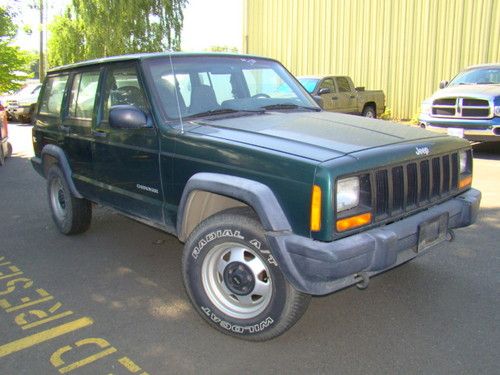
{"x":275,"y":199}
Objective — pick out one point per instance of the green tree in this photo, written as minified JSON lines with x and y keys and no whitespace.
{"x":98,"y":28}
{"x":14,"y":63}
{"x":66,"y":44}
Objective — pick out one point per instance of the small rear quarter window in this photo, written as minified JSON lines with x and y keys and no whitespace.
{"x":53,"y":93}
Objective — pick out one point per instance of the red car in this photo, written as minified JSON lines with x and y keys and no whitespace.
{"x":5,"y":147}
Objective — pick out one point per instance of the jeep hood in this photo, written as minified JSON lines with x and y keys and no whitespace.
{"x":319,"y":136}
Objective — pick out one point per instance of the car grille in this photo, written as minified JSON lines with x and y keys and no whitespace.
{"x":403,"y":188}
{"x":461,"y":108}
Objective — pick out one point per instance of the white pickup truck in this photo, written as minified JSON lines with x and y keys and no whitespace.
{"x":338,"y":94}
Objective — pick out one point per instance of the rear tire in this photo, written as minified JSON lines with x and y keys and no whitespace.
{"x":369,"y":112}
{"x":71,"y":215}
{"x":234,"y":282}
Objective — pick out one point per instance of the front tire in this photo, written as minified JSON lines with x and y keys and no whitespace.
{"x":234,"y":282}
{"x":71,"y":215}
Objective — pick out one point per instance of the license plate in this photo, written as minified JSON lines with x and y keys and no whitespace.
{"x":432,"y":232}
{"x":456,"y":132}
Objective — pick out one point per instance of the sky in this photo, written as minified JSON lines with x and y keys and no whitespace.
{"x":212,"y":22}
{"x":206,"y":23}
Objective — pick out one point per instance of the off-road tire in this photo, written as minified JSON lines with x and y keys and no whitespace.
{"x":71,"y":215}
{"x":228,"y":247}
{"x":369,"y":112}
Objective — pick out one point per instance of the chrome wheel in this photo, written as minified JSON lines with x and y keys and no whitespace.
{"x":58,"y":198}
{"x":236,"y":280}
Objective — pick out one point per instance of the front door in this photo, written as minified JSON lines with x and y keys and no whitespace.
{"x":126,"y":161}
{"x":330,"y":98}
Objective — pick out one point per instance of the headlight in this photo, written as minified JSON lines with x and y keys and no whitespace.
{"x":426,"y":107}
{"x":347,"y":193}
{"x":463,"y":162}
{"x":496,"y":110}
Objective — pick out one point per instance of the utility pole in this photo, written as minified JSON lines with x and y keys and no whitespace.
{"x":41,"y":65}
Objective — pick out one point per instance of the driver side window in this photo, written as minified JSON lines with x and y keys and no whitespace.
{"x":122,"y":87}
{"x":328,"y":84}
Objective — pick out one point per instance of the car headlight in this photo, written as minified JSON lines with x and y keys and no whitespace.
{"x":426,"y":107}
{"x":347,"y":193}
{"x":496,"y":110}
{"x":465,"y":164}
{"x":463,"y":161}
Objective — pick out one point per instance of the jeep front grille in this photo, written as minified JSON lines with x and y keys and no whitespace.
{"x":461,"y":108}
{"x":407,"y":187}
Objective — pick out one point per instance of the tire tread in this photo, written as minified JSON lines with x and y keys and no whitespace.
{"x":296,"y":303}
{"x":81,"y":208}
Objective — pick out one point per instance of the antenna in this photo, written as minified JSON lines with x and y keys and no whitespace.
{"x":175,"y":91}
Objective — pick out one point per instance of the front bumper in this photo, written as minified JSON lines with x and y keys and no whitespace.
{"x":487,"y":130}
{"x":320,"y":268}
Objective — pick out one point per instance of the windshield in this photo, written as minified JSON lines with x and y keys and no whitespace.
{"x":207,"y":85}
{"x":309,"y":83}
{"x":479,"y":76}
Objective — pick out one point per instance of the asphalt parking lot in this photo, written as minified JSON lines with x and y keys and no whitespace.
{"x":112,"y":301}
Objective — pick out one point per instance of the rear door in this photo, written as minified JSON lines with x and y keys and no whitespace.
{"x":126,"y":161}
{"x":50,"y":109}
{"x":77,"y":124}
{"x":346,"y":96}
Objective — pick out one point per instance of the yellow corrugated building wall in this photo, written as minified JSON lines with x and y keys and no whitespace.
{"x":404,"y":47}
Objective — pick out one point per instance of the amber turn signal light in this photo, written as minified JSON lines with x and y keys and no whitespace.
{"x":315,"y":209}
{"x":466,"y":181}
{"x":354,"y":222}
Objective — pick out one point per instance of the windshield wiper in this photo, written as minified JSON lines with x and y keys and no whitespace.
{"x":222,"y":111}
{"x":289,"y":106}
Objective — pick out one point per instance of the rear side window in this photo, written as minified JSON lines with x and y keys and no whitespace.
{"x":83,"y":93}
{"x":343,"y":84}
{"x":53,"y":93}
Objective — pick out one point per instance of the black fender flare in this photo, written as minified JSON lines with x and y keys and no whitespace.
{"x":57,"y":153}
{"x":255,"y":194}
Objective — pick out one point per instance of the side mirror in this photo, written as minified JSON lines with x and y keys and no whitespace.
{"x":127,"y":117}
{"x":324,"y":90}
{"x":318,"y":99}
{"x":443,"y":84}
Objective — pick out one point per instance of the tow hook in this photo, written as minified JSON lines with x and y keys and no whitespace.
{"x":362,"y":280}
{"x":450,"y":235}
